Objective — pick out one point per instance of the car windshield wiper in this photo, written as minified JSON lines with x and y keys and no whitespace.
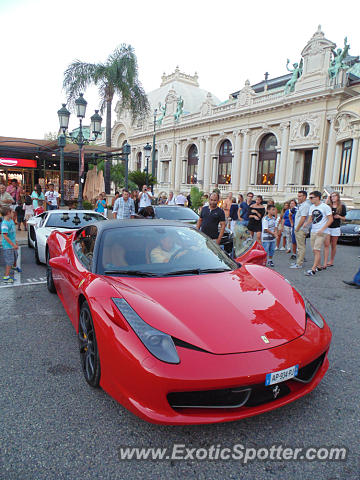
{"x":135,"y":273}
{"x":197,"y":271}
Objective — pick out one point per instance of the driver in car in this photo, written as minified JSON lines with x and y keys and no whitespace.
{"x":165,"y":250}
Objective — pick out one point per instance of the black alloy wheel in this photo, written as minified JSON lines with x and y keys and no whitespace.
{"x":49,"y":278}
{"x":89,"y":354}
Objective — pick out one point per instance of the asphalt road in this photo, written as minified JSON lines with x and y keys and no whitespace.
{"x":54,"y":426}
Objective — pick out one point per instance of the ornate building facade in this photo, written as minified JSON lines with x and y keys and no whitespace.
{"x":297,"y":131}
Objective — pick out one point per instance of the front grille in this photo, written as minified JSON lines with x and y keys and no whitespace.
{"x":226,"y":398}
{"x":244,"y":396}
{"x":307,"y":373}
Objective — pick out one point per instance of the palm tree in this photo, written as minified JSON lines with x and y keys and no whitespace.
{"x":119,"y":74}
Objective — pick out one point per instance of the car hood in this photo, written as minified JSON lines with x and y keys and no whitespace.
{"x":221,"y":313}
{"x":350,"y":227}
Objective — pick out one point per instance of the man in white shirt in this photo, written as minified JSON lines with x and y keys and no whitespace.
{"x":300,"y":229}
{"x":181,"y":200}
{"x":320,"y":215}
{"x":52,"y":198}
{"x":145,"y":198}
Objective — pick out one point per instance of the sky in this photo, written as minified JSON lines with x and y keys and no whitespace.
{"x":226,"y":42}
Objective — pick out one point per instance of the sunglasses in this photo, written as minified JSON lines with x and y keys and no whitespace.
{"x":311,"y":198}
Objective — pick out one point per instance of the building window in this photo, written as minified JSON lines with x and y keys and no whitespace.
{"x":192,"y":164}
{"x":345,"y":162}
{"x":267,"y":160}
{"x":225,"y":163}
{"x":138,"y":161}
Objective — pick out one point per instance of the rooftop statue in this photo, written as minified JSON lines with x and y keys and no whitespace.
{"x":337,"y":64}
{"x":296,"y":74}
{"x":162,"y":114}
{"x":179,"y":109}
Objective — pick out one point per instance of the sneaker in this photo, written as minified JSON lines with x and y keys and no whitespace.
{"x":8,"y":280}
{"x":16,"y":269}
{"x":282,"y":249}
{"x":271,"y":263}
{"x":295,"y":265}
{"x":276,"y":248}
{"x":293,"y":257}
{"x":310,"y":273}
{"x":288,"y":251}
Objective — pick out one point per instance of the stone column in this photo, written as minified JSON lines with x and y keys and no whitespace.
{"x":353,"y":161}
{"x":178,"y":163}
{"x":207,"y":164}
{"x":161,"y":171}
{"x":215,"y":167}
{"x":201,"y":161}
{"x":143,"y":161}
{"x":169,"y":179}
{"x":235,"y":168}
{"x":314,"y":167}
{"x":184,"y":170}
{"x":132,"y":162}
{"x":291,"y":167}
{"x":330,"y":154}
{"x":244,"y":173}
{"x":254,"y":160}
{"x":284,"y":154}
{"x":278,"y":153}
{"x":335,"y":174}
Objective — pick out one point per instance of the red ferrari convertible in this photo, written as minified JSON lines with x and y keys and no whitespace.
{"x":177,"y":331}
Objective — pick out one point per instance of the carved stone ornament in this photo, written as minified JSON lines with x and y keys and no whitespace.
{"x":344,"y":126}
{"x":265,"y":128}
{"x":245,"y":96}
{"x":206,"y":107}
{"x":305,"y":130}
{"x":171,"y":101}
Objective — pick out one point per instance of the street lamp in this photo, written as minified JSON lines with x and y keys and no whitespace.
{"x":79,"y":139}
{"x":153,"y":152}
{"x":126,"y":152}
{"x":64,"y":116}
{"x":147,"y":150}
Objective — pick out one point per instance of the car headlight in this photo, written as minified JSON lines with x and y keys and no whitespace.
{"x":357,"y":228}
{"x":158,"y":343}
{"x":313,"y":314}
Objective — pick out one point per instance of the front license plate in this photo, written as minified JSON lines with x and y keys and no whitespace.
{"x":281,"y":375}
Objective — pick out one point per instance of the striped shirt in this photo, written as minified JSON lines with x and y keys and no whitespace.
{"x":124,"y":209}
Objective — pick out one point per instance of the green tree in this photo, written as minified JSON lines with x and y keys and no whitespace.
{"x":139,"y":178}
{"x":118,"y":75}
{"x":196,"y":197}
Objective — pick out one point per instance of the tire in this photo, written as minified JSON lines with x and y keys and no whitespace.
{"x":49,"y":278}
{"x":89,"y":354}
{"x":29,"y":243}
{"x":37,"y":259}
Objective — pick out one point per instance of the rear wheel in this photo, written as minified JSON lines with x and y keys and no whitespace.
{"x":29,"y":243}
{"x":37,"y":259}
{"x":89,"y":354}
{"x":49,"y":278}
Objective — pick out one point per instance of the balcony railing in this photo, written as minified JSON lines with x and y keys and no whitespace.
{"x":297,"y":188}
{"x":263,"y":188}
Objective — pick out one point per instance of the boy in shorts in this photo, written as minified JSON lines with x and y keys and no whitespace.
{"x":269,"y":233}
{"x":9,"y":245}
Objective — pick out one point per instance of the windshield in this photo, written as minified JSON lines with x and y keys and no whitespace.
{"x":352,"y":215}
{"x":159,"y":250}
{"x":72,"y":219}
{"x":176,"y":213}
{"x":242,"y":239}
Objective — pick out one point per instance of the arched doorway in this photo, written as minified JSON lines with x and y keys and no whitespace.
{"x":192,"y":165}
{"x":225,"y":162}
{"x":267,"y":160}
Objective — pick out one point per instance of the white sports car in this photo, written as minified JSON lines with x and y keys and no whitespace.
{"x":41,"y":226}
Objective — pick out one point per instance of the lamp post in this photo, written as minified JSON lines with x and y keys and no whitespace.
{"x":64,"y":116}
{"x":126,"y":152}
{"x":153,"y":150}
{"x":147,"y":150}
{"x":79,"y":139}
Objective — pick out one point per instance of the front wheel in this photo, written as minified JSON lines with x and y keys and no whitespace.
{"x":89,"y":354}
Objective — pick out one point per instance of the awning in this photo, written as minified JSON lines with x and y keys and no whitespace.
{"x":17,"y":162}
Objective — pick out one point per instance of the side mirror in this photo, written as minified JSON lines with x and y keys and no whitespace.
{"x":60,"y":263}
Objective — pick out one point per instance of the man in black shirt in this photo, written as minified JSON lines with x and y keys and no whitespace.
{"x":209,"y":220}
